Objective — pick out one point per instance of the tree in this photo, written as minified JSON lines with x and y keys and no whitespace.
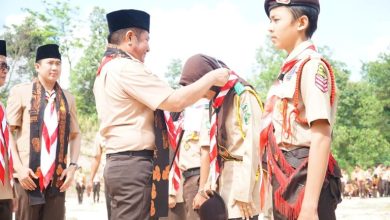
{"x":269,"y":60}
{"x":376,"y":73}
{"x":83,"y":75}
{"x":60,"y":19}
{"x":56,"y":25}
{"x":22,"y":41}
{"x":173,"y":73}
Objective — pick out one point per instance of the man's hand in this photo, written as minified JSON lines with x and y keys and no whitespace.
{"x":246,"y":209}
{"x":199,"y":199}
{"x":171,"y":201}
{"x":221,"y":76}
{"x":69,"y":173}
{"x":25,"y":180}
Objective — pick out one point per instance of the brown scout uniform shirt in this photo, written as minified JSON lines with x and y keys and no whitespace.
{"x":18,"y":115}
{"x":127,"y":94}
{"x":196,"y":134}
{"x":313,"y":104}
{"x":238,"y":179}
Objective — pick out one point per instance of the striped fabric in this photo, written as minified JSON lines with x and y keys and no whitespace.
{"x":174,"y":130}
{"x":49,"y":141}
{"x":217,"y":103}
{"x":4,"y":147}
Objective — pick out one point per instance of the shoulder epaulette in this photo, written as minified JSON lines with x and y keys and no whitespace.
{"x":239,"y":88}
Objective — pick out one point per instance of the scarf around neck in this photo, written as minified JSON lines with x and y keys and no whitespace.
{"x":38,"y":105}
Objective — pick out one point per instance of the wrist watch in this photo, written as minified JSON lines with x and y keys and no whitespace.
{"x":73,"y":164}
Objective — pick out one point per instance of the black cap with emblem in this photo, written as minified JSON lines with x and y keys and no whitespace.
{"x":270,"y":4}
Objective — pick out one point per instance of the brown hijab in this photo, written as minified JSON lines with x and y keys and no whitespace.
{"x":197,"y":66}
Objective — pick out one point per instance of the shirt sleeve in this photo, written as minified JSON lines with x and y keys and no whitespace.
{"x":142,"y":85}
{"x":246,"y":171}
{"x":204,"y":137}
{"x":315,"y":91}
{"x":74,"y":125}
{"x":14,"y":108}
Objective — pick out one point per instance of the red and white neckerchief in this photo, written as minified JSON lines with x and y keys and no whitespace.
{"x":174,"y":129}
{"x":306,"y":48}
{"x":4,"y":147}
{"x":213,"y":154}
{"x":49,"y":141}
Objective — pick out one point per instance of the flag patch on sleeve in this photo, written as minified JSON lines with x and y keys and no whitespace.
{"x":321,"y":79}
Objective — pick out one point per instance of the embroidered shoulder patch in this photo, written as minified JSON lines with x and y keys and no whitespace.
{"x":321,"y":79}
{"x":246,"y":113}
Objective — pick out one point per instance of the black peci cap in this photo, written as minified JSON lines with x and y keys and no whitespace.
{"x":48,"y":51}
{"x":128,"y":18}
{"x":3,"y":48}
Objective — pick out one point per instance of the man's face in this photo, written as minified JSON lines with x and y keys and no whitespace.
{"x":141,"y":46}
{"x":49,"y":69}
{"x":3,"y":69}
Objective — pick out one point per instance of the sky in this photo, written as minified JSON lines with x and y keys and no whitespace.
{"x":356,"y":31}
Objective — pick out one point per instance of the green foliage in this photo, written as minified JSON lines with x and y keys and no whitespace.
{"x":88,"y":124}
{"x":56,"y":25}
{"x":60,"y":21}
{"x":83,"y":75}
{"x":376,"y":74}
{"x":269,"y":60}
{"x":173,"y":73}
{"x":22,"y":41}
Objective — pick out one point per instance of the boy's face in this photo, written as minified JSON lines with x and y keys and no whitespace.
{"x":49,"y":69}
{"x":3,"y":69}
{"x":283,"y":28}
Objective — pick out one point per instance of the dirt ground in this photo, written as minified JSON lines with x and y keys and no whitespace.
{"x":349,"y":209}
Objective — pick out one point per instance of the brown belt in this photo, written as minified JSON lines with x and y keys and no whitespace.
{"x":191,"y":172}
{"x":227,"y":156}
{"x":141,"y":153}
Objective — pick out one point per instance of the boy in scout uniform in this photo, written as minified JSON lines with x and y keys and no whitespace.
{"x":43,"y":117}
{"x":300,"y":114}
{"x":6,"y":190}
{"x":193,"y":145}
{"x":127,"y":94}
{"x":237,"y":138}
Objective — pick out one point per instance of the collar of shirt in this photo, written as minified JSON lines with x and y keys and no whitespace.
{"x":297,"y":52}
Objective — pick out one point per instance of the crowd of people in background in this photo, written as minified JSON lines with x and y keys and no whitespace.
{"x":366,"y":183}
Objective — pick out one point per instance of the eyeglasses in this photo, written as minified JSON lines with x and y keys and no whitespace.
{"x":4,"y":66}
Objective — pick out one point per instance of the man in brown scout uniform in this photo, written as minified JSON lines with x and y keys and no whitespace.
{"x":127,"y":94}
{"x":237,"y":137}
{"x":43,"y":116}
{"x":7,"y":195}
{"x":299,"y":117}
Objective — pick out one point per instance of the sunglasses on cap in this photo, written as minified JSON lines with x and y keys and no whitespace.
{"x":4,"y":66}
